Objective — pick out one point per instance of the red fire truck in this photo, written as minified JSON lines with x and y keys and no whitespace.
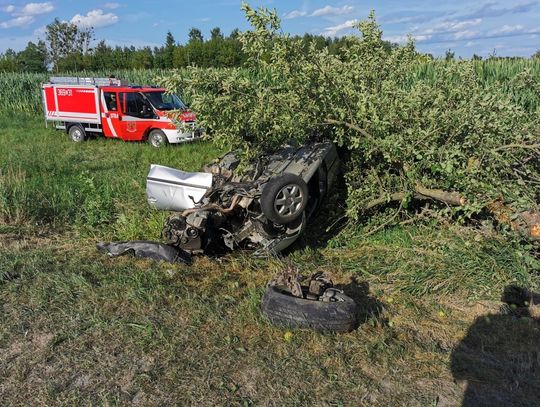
{"x":112,"y":108}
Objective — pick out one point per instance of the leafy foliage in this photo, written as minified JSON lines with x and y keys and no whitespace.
{"x":32,"y":59}
{"x":66,"y":41}
{"x":403,"y":131}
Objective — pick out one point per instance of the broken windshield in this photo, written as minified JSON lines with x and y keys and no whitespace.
{"x":164,"y":101}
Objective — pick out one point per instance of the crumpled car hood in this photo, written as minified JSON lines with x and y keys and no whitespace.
{"x":175,"y":190}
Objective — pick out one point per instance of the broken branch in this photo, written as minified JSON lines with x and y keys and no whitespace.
{"x":524,"y":146}
{"x":422,"y":193}
{"x":350,"y":126}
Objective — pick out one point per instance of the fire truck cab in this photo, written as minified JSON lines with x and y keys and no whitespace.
{"x":114,"y":109}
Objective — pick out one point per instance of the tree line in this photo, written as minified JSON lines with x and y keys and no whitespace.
{"x":67,"y":47}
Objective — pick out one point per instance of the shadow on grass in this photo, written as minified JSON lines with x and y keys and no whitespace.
{"x":368,"y":307}
{"x":327,"y":222}
{"x":499,"y":357}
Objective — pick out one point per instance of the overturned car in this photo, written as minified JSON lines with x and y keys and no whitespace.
{"x":265,"y":207}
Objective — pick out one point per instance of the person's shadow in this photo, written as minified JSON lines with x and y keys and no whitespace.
{"x":499,"y":358}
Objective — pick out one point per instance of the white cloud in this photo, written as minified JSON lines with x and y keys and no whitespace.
{"x":329,"y":10}
{"x":324,"y":11}
{"x":508,"y":29}
{"x":111,"y":6}
{"x":400,"y":39}
{"x":95,"y":19}
{"x":452,"y":26}
{"x":40,"y":31}
{"x":10,"y":8}
{"x":332,"y":31}
{"x":21,"y":21}
{"x":461,"y":35}
{"x":294,"y":14}
{"x":34,"y":9}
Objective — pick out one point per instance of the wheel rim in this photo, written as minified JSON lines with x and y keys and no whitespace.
{"x":156,"y":140}
{"x":289,"y":200}
{"x":76,"y":135}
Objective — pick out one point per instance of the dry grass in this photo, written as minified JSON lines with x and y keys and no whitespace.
{"x":80,"y":328}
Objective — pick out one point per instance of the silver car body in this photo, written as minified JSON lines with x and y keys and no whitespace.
{"x":169,"y":189}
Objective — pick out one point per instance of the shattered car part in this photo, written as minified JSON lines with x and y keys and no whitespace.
{"x":175,"y":190}
{"x":318,"y":306}
{"x":145,"y":249}
{"x":264,"y":208}
{"x":290,"y":279}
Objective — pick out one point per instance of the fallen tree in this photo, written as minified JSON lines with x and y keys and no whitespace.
{"x":452,"y":139}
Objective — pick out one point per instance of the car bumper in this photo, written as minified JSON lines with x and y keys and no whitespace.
{"x":180,"y":136}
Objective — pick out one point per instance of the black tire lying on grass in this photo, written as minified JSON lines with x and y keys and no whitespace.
{"x":288,"y":311}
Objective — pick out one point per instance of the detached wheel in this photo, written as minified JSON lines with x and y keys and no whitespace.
{"x":157,"y":139}
{"x":77,"y":133}
{"x":287,"y":311}
{"x":284,"y":198}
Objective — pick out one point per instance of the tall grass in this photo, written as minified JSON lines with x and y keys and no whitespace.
{"x":501,"y":73}
{"x":48,"y":181}
{"x":20,"y":92}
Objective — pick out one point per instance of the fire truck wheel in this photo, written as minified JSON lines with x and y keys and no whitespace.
{"x":77,"y":133}
{"x":157,"y":138}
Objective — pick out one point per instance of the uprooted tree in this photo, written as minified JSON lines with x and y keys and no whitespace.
{"x":468,"y":146}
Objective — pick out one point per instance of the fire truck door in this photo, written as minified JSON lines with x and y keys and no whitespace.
{"x":137,"y":116}
{"x":111,"y":116}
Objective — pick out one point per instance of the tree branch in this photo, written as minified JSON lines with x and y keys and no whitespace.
{"x":450,"y":198}
{"x":421,"y":193}
{"x":350,"y":126}
{"x":514,"y":145}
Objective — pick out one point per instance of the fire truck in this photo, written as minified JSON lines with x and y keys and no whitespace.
{"x":115,"y":109}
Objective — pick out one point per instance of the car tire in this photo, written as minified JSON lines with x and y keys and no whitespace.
{"x":77,"y":133}
{"x":157,"y":138}
{"x":284,"y":198}
{"x":287,"y":311}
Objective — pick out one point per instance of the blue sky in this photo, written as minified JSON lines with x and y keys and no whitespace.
{"x":508,"y":27}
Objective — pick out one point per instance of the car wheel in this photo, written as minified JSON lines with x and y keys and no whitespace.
{"x":77,"y":133}
{"x":284,"y":198}
{"x":287,"y":311}
{"x":157,"y":138}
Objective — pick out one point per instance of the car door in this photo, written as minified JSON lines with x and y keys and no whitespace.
{"x":111,"y":116}
{"x":137,"y":116}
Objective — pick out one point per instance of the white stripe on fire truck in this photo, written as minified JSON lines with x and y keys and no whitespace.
{"x":106,"y":110}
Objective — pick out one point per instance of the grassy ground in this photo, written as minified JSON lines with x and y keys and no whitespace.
{"x":79,"y":328}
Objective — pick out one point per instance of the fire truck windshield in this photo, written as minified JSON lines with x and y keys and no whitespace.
{"x":164,"y":101}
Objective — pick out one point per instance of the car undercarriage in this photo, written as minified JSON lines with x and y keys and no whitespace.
{"x":263,"y":206}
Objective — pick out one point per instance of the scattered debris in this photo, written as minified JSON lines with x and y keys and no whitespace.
{"x":146,"y":249}
{"x":316,"y":305}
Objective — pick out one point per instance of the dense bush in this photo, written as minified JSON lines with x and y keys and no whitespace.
{"x":450,"y":135}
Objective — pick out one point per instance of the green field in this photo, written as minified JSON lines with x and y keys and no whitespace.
{"x":21,"y":91}
{"x":78,"y":328}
